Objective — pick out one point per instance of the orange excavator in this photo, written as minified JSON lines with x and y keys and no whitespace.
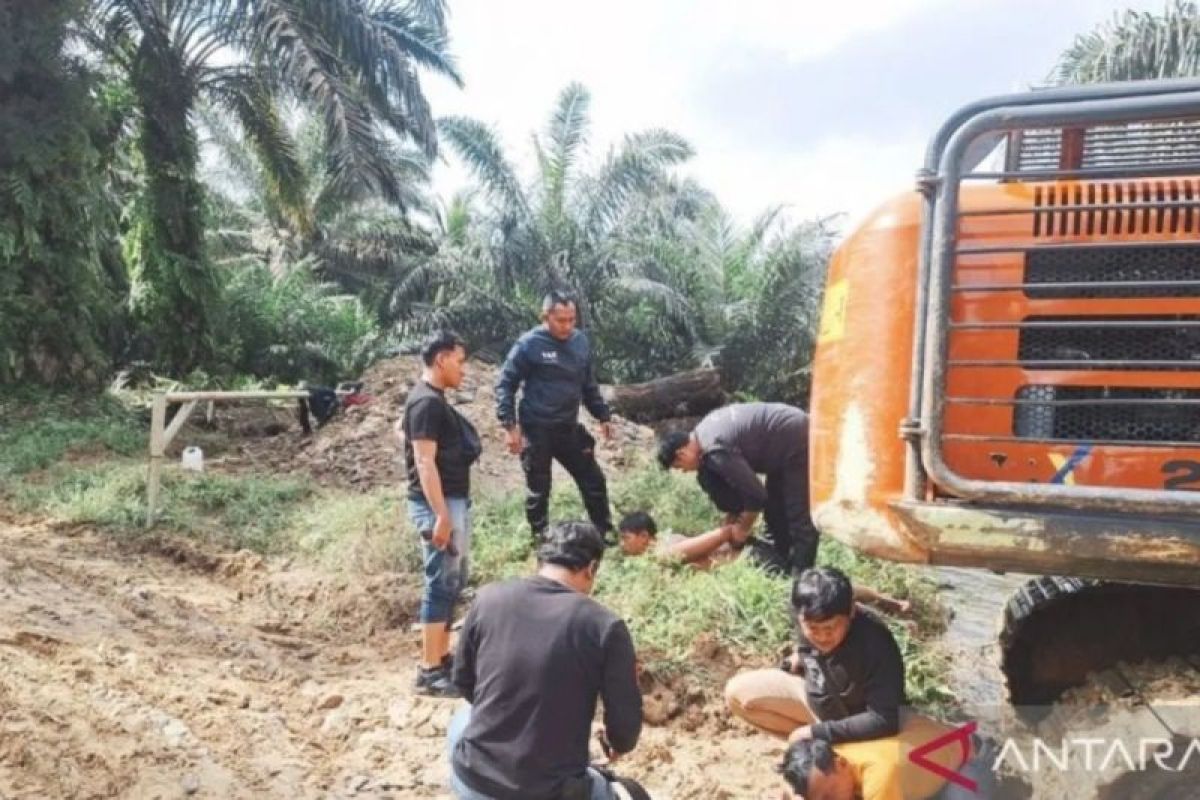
{"x":1007,"y":375}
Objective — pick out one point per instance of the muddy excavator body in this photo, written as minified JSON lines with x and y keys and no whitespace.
{"x":1007,"y":373}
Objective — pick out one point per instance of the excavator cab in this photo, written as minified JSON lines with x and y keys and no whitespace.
{"x":1007,"y":372}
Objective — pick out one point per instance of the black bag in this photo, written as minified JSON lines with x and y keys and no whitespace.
{"x":471,"y":443}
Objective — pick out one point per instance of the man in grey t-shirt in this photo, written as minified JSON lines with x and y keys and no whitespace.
{"x":729,"y":449}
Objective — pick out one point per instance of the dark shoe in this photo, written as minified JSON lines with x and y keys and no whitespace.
{"x":435,"y":683}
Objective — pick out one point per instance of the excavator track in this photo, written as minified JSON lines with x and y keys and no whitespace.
{"x":1057,"y":631}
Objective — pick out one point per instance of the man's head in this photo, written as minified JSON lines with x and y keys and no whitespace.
{"x":559,"y":313}
{"x":637,"y":532}
{"x":824,"y":603}
{"x":680,"y":451}
{"x":444,"y":354}
{"x":571,"y":553}
{"x":814,"y":771}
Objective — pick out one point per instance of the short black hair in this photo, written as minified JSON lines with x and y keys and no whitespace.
{"x":638,"y":521}
{"x":573,"y":545}
{"x":440,"y":341}
{"x":669,"y":446}
{"x":801,"y":758}
{"x":822,"y":592}
{"x":558,"y":297}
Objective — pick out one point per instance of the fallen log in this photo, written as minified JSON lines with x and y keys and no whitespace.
{"x":684,"y":394}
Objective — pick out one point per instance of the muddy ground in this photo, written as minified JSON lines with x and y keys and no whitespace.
{"x":168,"y":672}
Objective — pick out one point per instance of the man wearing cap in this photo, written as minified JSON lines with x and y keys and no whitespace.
{"x":729,"y":449}
{"x":533,"y":656}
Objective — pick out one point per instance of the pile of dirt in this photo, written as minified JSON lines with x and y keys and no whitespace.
{"x":359,"y":449}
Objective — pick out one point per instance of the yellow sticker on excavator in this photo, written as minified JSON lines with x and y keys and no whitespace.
{"x":833,"y":316}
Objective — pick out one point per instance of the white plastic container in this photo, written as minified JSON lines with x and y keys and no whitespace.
{"x":193,"y":459}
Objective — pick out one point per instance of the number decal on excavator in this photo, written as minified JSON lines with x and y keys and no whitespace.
{"x":1182,"y":475}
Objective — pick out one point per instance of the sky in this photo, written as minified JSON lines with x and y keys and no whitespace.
{"x":821,"y":107}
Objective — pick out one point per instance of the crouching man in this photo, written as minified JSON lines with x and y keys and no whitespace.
{"x":533,"y":657}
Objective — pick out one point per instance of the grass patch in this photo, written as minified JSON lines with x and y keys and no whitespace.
{"x":669,"y":607}
{"x":358,"y":533}
{"x":40,"y":428}
{"x":232,"y":511}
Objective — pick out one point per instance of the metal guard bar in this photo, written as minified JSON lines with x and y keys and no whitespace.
{"x":939,"y":240}
{"x":927,"y":179}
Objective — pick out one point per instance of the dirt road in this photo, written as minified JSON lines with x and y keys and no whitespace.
{"x":165,"y":672}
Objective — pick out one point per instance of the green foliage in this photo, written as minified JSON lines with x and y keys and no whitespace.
{"x":57,"y":302}
{"x":1136,"y":45}
{"x":667,"y":281}
{"x":42,"y":427}
{"x":231,"y":511}
{"x":356,"y":65}
{"x":292,"y":328}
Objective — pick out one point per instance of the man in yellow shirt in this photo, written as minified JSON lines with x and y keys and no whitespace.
{"x":882,"y":769}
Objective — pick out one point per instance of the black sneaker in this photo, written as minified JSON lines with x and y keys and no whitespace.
{"x":435,"y":683}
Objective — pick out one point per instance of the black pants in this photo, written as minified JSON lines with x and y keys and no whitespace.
{"x":789,"y":525}
{"x":574,"y":448}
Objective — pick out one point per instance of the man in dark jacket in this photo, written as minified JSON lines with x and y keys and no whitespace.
{"x":533,"y":657}
{"x":728,"y":449}
{"x":552,"y":366}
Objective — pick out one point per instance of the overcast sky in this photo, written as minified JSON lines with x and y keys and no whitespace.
{"x":821,"y":106}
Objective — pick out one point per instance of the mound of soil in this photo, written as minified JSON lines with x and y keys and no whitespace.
{"x":359,"y":449}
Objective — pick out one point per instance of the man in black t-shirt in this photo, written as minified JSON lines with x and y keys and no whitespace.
{"x":844,"y":682}
{"x":533,"y":657}
{"x":439,"y":448}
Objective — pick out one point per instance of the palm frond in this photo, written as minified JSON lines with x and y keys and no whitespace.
{"x":635,"y":167}
{"x":249,"y":98}
{"x":566,"y":134}
{"x":479,"y":148}
{"x":1136,"y":45}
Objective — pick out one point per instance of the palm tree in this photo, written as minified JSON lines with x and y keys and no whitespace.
{"x":355,"y":62}
{"x":558,"y":230}
{"x":1136,"y":45}
{"x":343,"y":235}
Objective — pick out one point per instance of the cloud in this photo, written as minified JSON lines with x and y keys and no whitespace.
{"x":825,"y":107}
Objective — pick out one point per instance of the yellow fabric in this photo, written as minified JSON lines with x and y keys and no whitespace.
{"x":884,"y":770}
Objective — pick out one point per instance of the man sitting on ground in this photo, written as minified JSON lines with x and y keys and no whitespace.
{"x":843,"y":684}
{"x":533,"y":656}
{"x":639,"y":533}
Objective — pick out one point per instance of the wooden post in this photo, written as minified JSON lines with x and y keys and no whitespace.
{"x":158,"y":419}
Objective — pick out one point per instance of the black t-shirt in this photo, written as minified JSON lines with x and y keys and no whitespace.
{"x":427,"y":415}
{"x":533,"y":657}
{"x":857,"y":689}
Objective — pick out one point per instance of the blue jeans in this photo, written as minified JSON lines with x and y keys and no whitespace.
{"x":458,"y":724}
{"x":445,"y":574}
